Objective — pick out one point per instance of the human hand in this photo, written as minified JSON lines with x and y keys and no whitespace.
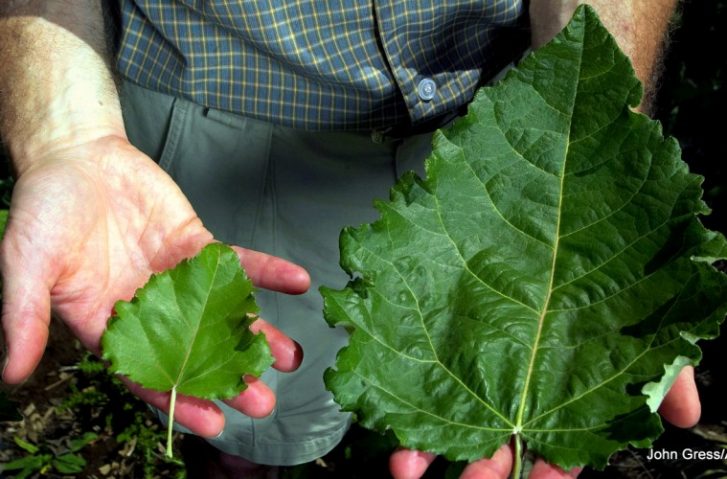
{"x":681,"y":407}
{"x":88,"y":225}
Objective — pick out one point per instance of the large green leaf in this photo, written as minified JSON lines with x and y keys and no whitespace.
{"x":544,"y":282}
{"x":187,"y":330}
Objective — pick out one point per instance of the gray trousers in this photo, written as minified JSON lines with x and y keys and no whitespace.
{"x":288,"y":193}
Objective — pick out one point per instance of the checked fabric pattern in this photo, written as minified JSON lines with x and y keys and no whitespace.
{"x":318,"y":64}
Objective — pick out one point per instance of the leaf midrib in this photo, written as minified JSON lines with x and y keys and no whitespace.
{"x":195,"y":335}
{"x":546,"y":303}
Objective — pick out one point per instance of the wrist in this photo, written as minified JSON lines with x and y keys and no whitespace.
{"x":81,"y":147}
{"x":57,"y":89}
{"x":57,"y":132}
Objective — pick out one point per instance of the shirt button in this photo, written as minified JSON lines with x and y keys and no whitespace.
{"x":426,"y":89}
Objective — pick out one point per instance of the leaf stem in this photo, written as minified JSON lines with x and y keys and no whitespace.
{"x":517,"y":467}
{"x":170,"y":421}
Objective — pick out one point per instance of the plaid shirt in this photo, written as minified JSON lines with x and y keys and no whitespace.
{"x":319,"y":64}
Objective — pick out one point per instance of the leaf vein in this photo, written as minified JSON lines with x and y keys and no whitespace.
{"x":611,"y":258}
{"x":469,"y":270}
{"x":429,"y":413}
{"x":198,"y":323}
{"x":431,"y":344}
{"x":614,"y":212}
{"x":646,"y":350}
{"x":497,"y":210}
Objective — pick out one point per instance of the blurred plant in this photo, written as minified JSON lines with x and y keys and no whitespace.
{"x":717,"y":436}
{"x":63,"y":458}
{"x":95,"y":408}
{"x":102,"y":398}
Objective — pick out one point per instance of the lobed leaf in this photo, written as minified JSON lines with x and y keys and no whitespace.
{"x":544,"y":282}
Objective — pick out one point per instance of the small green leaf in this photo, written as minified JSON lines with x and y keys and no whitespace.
{"x":69,"y":464}
{"x":545,"y":280}
{"x":187,"y":330}
{"x":25,"y":445}
{"x":28,"y":464}
{"x":81,"y":442}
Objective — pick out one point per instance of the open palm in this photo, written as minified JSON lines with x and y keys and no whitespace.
{"x":88,"y":226}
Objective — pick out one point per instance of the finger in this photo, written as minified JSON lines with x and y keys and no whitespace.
{"x":271,"y":272}
{"x":681,"y":405}
{"x":26,"y":310}
{"x":543,"y":470}
{"x":198,"y":415}
{"x":409,"y":464}
{"x":287,"y":353}
{"x":257,"y":401}
{"x":497,"y":467}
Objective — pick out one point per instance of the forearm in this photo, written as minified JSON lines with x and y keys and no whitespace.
{"x":56,"y":87}
{"x":640,"y":28}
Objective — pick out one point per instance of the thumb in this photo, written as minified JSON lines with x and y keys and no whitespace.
{"x":409,"y":464}
{"x":25,"y":309}
{"x":681,"y":406}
